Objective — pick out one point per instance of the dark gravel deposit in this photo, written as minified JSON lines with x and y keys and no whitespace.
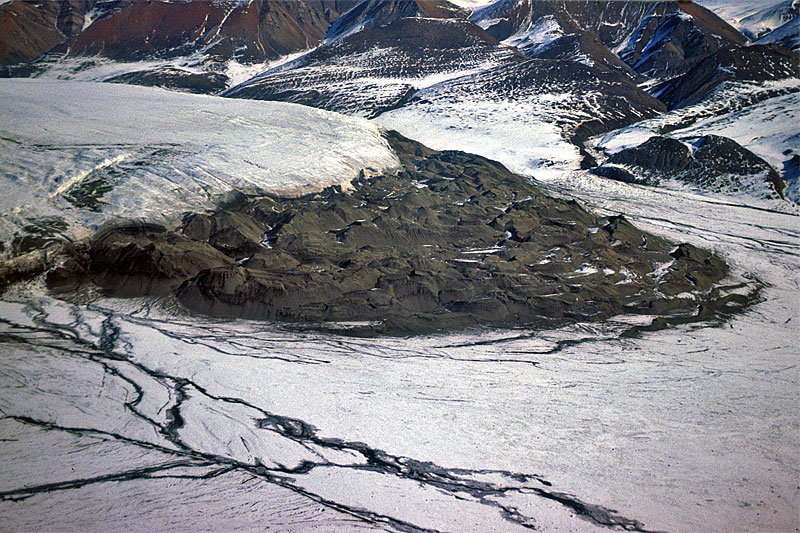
{"x":450,"y":240}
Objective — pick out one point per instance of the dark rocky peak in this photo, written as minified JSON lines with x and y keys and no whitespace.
{"x":414,"y":36}
{"x":582,"y":46}
{"x":720,"y":155}
{"x":746,"y":63}
{"x":674,"y":37}
{"x":711,"y":163}
{"x":663,"y":154}
{"x":377,"y":13}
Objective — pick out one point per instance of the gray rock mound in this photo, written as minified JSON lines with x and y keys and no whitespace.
{"x":450,"y":240}
{"x":711,"y":164}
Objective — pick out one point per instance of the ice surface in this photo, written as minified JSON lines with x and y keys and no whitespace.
{"x":176,"y":422}
{"x":686,"y":429}
{"x":87,"y":152}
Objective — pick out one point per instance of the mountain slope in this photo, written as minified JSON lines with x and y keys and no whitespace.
{"x":252,"y":30}
{"x":656,"y":39}
{"x":376,"y":13}
{"x":376,"y":69}
{"x":27,"y":31}
{"x":787,"y":35}
{"x":755,"y":18}
{"x":185,"y":44}
{"x":760,"y":116}
{"x":750,"y":63}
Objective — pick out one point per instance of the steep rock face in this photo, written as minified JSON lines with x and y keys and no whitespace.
{"x":656,"y":39}
{"x":711,"y":164}
{"x":377,"y":69}
{"x":245,"y":30}
{"x":749,"y":63}
{"x":27,"y":31}
{"x":450,"y":240}
{"x":138,"y":29}
{"x":375,"y":13}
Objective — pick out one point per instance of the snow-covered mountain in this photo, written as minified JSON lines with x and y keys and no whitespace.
{"x":377,"y":13}
{"x":375,"y":69}
{"x":591,"y":67}
{"x":761,"y":117}
{"x":786,"y":35}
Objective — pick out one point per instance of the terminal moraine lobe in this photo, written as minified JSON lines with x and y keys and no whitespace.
{"x":449,"y":240}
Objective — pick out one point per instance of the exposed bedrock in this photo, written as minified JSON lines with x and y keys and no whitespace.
{"x":450,"y":240}
{"x":711,"y":163}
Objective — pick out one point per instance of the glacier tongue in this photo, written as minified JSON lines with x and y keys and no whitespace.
{"x":87,"y":152}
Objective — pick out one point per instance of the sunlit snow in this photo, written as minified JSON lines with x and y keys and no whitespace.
{"x":86,"y":152}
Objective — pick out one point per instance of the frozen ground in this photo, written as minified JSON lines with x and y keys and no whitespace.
{"x":127,"y":414}
{"x":81,"y":153}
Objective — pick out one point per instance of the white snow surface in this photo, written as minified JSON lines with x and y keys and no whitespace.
{"x":691,"y":428}
{"x":160,"y":153}
{"x":787,"y":35}
{"x":753,"y":17}
{"x":519,"y":134}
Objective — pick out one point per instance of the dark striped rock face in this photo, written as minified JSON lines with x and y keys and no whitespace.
{"x":710,"y":163}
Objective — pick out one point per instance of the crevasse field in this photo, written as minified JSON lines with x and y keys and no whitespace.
{"x":131,"y":415}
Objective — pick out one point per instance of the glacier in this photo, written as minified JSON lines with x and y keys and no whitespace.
{"x":86,"y":153}
{"x":132,"y":415}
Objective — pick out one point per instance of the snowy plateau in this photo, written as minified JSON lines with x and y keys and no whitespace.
{"x":135,"y":414}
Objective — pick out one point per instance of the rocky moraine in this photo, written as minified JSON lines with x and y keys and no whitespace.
{"x":449,"y":240}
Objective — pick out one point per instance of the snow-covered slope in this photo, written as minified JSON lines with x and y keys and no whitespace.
{"x":754,"y":17}
{"x":378,"y":68}
{"x":526,"y":115}
{"x":762,"y":117}
{"x":787,"y":35}
{"x":81,"y":153}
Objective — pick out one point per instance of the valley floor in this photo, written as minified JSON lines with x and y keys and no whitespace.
{"x":129,"y":415}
